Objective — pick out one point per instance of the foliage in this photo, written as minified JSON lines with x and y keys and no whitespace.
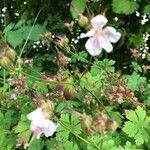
{"x":97,"y":103}
{"x":124,"y":6}
{"x":138,"y":125}
{"x":135,"y":81}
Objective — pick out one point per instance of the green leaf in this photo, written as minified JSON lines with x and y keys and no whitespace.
{"x":136,"y":67}
{"x":147,"y":9}
{"x":22,"y":126}
{"x":67,"y":104}
{"x":137,"y":126}
{"x":128,"y":128}
{"x":131,"y":115}
{"x":81,"y":56}
{"x":77,"y":7}
{"x":36,"y":145}
{"x":141,"y":114}
{"x":106,"y":65}
{"x":124,"y":6}
{"x":14,"y":38}
{"x":8,"y":27}
{"x":136,"y":40}
{"x":70,"y":146}
{"x":91,"y":81}
{"x":135,"y":81}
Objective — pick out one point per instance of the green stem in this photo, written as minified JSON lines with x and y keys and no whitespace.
{"x":29,"y":35}
{"x":88,"y":11}
{"x":4,"y":80}
{"x":23,"y":48}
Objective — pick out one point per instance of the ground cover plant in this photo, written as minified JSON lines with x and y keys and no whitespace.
{"x":74,"y":74}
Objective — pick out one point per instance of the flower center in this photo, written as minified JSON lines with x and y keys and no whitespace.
{"x":98,"y":31}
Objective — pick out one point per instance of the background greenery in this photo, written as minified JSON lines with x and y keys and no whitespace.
{"x":99,"y":102}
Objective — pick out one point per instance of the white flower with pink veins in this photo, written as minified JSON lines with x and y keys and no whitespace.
{"x":41,"y":125}
{"x":99,"y":37}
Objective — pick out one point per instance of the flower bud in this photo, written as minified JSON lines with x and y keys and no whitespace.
{"x":62,"y":59}
{"x":59,"y":88}
{"x":69,"y":91}
{"x":69,"y":94}
{"x":148,"y":57}
{"x":61,"y":41}
{"x":111,"y":125}
{"x":83,"y":21}
{"x":6,"y":63}
{"x":86,"y":123}
{"x":11,"y":54}
{"x":47,"y":108}
{"x":100,"y":122}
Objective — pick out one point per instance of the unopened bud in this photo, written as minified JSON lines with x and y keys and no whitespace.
{"x":6,"y":63}
{"x":61,"y":41}
{"x":87,"y":123}
{"x":83,"y":21}
{"x":69,"y":91}
{"x":100,"y":122}
{"x":11,"y":54}
{"x":69,"y":94}
{"x":48,"y":108}
{"x":62,"y":59}
{"x":111,"y":125}
{"x":59,"y":88}
{"x":148,"y":57}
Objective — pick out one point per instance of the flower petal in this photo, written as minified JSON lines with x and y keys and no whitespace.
{"x":93,"y":46}
{"x":37,"y":118}
{"x":36,"y":131}
{"x":99,"y":21}
{"x":50,"y":129}
{"x":111,"y":34}
{"x":36,"y":114}
{"x":105,"y":44}
{"x":88,"y":34}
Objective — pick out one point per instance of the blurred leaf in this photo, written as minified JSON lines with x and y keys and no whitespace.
{"x":36,"y":145}
{"x":14,"y":38}
{"x":135,"y":81}
{"x":147,"y":9}
{"x":77,"y":7}
{"x":124,"y":6}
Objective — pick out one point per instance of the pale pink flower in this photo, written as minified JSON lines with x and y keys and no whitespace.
{"x":13,"y":96}
{"x":99,"y":37}
{"x":41,"y":125}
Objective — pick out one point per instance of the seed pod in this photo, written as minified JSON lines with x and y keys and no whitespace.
{"x":62,"y":59}
{"x":83,"y":21}
{"x":11,"y":54}
{"x":47,"y":108}
{"x":86,"y":123}
{"x":100,"y":122}
{"x":69,"y":94}
{"x":59,"y":88}
{"x":6,"y":63}
{"x":111,"y":125}
{"x":61,"y":41}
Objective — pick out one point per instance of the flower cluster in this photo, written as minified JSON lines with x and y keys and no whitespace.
{"x":119,"y":94}
{"x":145,"y":48}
